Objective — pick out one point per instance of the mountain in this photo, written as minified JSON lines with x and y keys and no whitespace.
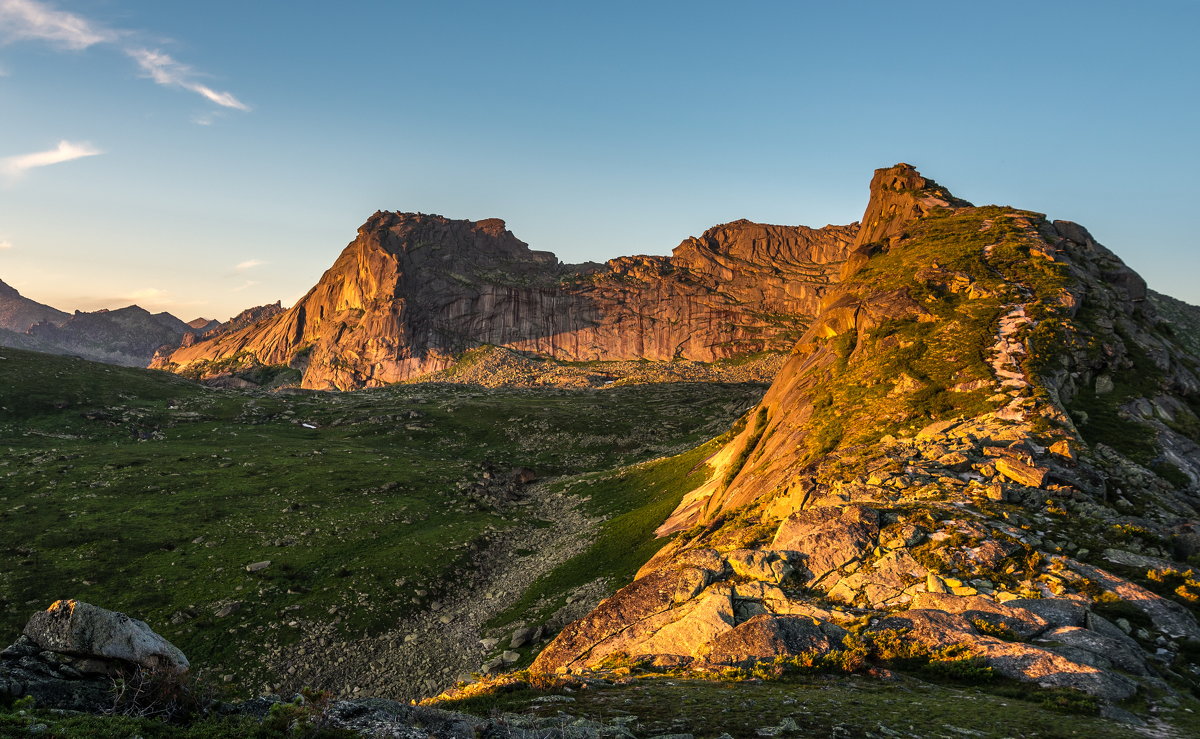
{"x":203,"y":324}
{"x":18,"y":313}
{"x":414,"y":291}
{"x":130,"y":336}
{"x":127,"y":336}
{"x":982,"y":455}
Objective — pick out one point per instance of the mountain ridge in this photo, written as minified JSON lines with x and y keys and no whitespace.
{"x":983,"y":403}
{"x":413,"y":291}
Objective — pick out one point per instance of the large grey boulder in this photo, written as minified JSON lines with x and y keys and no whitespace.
{"x":77,"y":628}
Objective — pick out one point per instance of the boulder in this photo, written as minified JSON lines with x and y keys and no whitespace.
{"x":1168,"y":616}
{"x":752,"y":564}
{"x":1065,"y":667}
{"x":1021,"y":473}
{"x":1022,"y":622}
{"x":1054,"y":611}
{"x":70,"y":653}
{"x":78,"y":628}
{"x":827,"y":539}
{"x":766,"y":637}
{"x":639,"y":601}
{"x":1121,"y":652}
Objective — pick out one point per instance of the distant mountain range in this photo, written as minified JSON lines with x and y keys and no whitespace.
{"x":127,"y":336}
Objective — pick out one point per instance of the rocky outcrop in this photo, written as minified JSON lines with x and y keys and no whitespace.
{"x":985,"y":406}
{"x":412,"y":292}
{"x":70,"y":654}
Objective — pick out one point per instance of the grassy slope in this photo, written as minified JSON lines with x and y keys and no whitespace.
{"x":358,"y":513}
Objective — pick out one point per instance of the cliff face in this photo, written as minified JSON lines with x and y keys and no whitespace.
{"x":412,"y":291}
{"x":986,"y":442}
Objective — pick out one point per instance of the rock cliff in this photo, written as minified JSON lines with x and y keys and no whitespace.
{"x":413,"y":291}
{"x":983,"y":450}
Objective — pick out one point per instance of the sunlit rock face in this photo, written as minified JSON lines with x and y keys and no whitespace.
{"x":413,"y":291}
{"x":985,"y":447}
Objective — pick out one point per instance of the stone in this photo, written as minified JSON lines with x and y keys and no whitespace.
{"x":521,"y":637}
{"x":1056,"y":612}
{"x":1021,"y":473}
{"x":1119,"y":651}
{"x":1031,"y":663}
{"x":75,"y":627}
{"x":645,"y":598}
{"x":767,"y":566}
{"x":826,"y":539}
{"x":257,"y":566}
{"x":1063,"y":448}
{"x":1168,"y":617}
{"x":1022,"y":622}
{"x":765,"y":637}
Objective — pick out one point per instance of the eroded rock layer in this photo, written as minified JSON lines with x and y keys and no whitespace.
{"x":414,"y":291}
{"x":982,"y":452}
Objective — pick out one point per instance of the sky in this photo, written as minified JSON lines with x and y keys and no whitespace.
{"x":205,"y":157}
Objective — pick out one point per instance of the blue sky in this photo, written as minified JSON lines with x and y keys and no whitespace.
{"x":204,"y":157}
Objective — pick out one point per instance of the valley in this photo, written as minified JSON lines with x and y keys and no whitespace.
{"x":152,"y":495}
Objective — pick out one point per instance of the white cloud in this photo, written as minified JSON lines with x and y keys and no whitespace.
{"x":165,"y":70}
{"x":149,"y":295}
{"x":15,"y":166}
{"x":249,"y":264}
{"x":243,"y":286}
{"x":26,"y":20}
{"x":5,"y":245}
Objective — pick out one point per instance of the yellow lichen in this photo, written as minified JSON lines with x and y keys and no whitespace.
{"x":58,"y":605}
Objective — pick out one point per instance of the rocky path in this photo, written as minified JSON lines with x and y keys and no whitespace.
{"x":429,"y":651}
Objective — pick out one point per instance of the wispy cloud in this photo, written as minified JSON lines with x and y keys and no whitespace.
{"x":29,"y":20}
{"x":249,"y":264}
{"x":243,"y":286}
{"x":167,"y":71}
{"x":5,"y":244}
{"x":13,"y":167}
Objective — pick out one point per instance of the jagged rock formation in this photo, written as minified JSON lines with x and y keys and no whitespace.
{"x":986,"y":442}
{"x":18,"y":313}
{"x":413,"y":291}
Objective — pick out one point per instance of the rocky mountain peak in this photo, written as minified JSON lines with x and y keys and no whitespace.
{"x":899,"y":195}
{"x":980,"y":410}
